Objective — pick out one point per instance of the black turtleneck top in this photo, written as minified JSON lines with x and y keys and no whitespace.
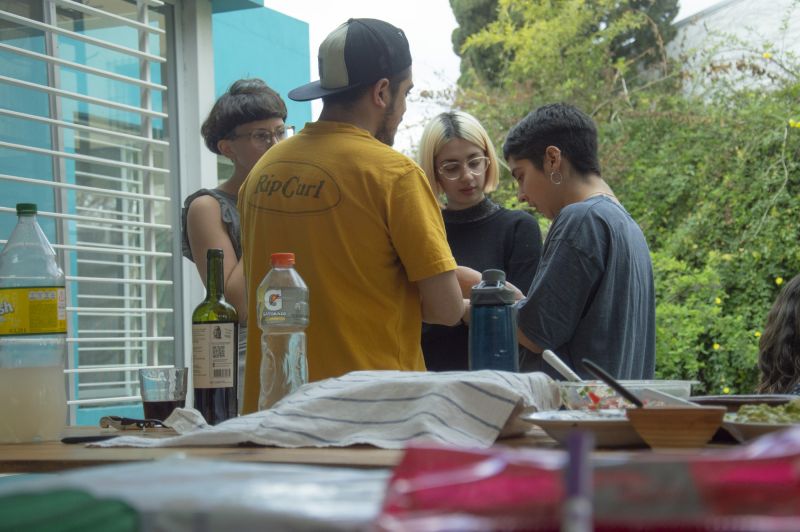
{"x":483,"y":236}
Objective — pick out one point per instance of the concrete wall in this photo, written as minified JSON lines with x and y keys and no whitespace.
{"x":740,"y":30}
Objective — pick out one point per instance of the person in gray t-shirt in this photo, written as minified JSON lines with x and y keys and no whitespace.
{"x":593,"y":295}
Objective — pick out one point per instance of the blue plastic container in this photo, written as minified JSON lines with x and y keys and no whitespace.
{"x":493,"y":325}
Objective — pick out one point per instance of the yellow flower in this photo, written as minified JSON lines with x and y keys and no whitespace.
{"x":766,"y":55}
{"x":794,"y":123}
{"x":757,"y":334}
{"x":715,"y":346}
{"x":726,"y":390}
{"x":779,"y":281}
{"x":718,"y":301}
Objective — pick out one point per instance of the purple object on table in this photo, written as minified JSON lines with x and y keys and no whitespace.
{"x":577,"y":508}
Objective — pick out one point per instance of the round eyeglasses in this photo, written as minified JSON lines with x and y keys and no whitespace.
{"x":475,"y":166}
{"x":262,"y":138}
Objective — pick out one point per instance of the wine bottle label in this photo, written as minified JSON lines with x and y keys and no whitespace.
{"x":282,"y":304}
{"x":213,"y":354}
{"x":33,"y":310}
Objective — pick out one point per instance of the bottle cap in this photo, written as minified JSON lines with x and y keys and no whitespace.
{"x":492,"y":290}
{"x":26,"y":208}
{"x":282,"y":260}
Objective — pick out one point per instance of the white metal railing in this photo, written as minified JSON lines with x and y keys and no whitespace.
{"x":110,"y":181}
{"x":81,"y":188}
{"x":81,"y":67}
{"x":82,"y":97}
{"x":84,"y":158}
{"x":105,"y":14}
{"x":48,"y":28}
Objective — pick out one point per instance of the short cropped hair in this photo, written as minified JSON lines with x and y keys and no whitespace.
{"x":455,"y":125}
{"x":561,"y":125}
{"x":247,"y":100}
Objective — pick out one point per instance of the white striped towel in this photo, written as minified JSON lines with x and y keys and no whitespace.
{"x":386,"y":409}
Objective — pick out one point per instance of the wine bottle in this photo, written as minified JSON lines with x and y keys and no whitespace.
{"x":215,"y":337}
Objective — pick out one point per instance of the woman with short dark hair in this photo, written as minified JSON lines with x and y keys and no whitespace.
{"x":244,"y":123}
{"x":593,"y":295}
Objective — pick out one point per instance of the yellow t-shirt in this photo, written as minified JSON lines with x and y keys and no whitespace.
{"x":364,"y":226}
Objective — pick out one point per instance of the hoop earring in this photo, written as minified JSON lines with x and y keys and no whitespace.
{"x":552,"y":178}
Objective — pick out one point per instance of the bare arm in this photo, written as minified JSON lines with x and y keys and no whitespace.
{"x":442,"y":302}
{"x":206,"y":230}
{"x":527,"y":343}
{"x":467,"y":278}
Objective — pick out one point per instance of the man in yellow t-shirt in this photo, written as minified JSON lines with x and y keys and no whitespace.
{"x":360,"y":217}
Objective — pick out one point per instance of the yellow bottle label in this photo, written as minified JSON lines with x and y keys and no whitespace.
{"x":33,"y":310}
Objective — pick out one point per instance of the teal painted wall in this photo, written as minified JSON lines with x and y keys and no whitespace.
{"x":262,"y":43}
{"x":19,"y":131}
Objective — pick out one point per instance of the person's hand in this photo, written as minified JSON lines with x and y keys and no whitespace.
{"x":465,"y":316}
{"x":517,"y":292}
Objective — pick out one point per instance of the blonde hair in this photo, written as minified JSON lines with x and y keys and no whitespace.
{"x":455,"y":125}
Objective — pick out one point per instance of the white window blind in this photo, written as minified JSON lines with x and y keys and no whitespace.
{"x":85,"y":134}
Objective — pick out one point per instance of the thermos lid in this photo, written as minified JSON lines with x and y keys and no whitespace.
{"x":492,"y":290}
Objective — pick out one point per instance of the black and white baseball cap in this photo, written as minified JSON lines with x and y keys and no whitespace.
{"x":359,"y":52}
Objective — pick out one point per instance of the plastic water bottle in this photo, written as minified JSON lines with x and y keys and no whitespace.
{"x":493,"y":324}
{"x":283,"y":317}
{"x":33,"y":327}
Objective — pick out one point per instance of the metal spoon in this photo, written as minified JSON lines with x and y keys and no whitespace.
{"x":601,"y":374}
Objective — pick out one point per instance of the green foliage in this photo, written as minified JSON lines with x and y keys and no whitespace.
{"x":705,"y":155}
{"x":472,"y":16}
{"x":695,"y":338}
{"x":599,"y":43}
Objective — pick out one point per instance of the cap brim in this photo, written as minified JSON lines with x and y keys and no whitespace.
{"x":314,"y":90}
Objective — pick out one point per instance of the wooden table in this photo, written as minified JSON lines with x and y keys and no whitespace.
{"x":56,"y":456}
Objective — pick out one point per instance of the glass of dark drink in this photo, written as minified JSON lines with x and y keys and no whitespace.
{"x":163,"y":390}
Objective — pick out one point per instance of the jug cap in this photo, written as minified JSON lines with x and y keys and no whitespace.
{"x":282,"y":260}
{"x":26,"y":208}
{"x":492,"y":290}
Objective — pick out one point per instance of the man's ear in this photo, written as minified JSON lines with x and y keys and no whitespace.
{"x":381,"y":94}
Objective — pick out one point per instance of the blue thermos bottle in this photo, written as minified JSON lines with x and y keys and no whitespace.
{"x":493,"y":324}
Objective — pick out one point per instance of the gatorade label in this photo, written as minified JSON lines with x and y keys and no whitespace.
{"x":284,"y":304}
{"x":33,"y":310}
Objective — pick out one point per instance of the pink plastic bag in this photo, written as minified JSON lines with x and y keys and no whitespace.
{"x":751,"y":487}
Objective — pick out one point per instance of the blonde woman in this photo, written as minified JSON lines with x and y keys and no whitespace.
{"x":460,"y":162}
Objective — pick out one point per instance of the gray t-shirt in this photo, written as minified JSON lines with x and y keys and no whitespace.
{"x":593,"y":295}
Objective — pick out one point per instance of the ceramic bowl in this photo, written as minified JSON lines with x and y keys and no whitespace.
{"x":676,"y":427}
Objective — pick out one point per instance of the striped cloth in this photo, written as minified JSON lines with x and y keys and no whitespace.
{"x":385,"y":409}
